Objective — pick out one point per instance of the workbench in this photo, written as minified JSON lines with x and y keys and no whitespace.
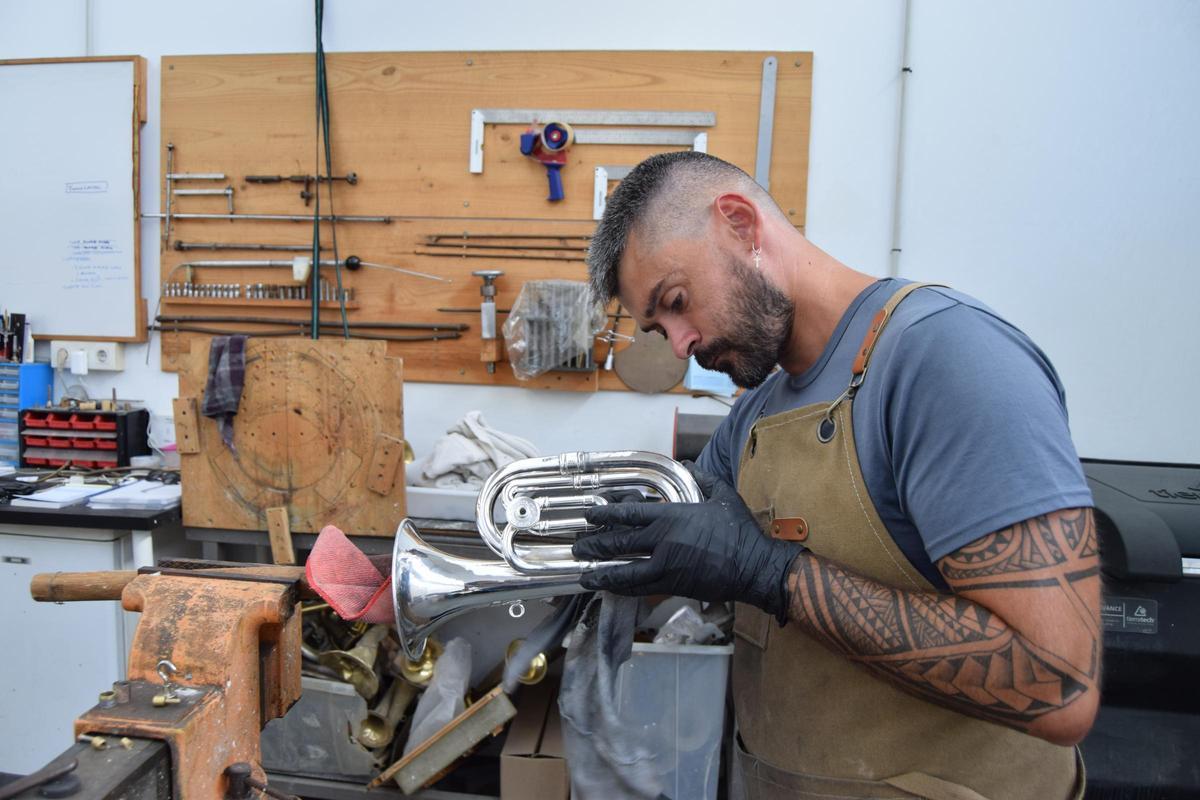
{"x":78,"y":649}
{"x":219,"y":544}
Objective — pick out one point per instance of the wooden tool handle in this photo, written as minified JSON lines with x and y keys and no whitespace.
{"x":60,"y":587}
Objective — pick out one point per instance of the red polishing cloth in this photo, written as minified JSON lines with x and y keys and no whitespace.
{"x":349,"y":580}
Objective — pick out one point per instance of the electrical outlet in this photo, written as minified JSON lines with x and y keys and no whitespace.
{"x":100,"y":355}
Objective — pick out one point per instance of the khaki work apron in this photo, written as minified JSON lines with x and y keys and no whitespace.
{"x":813,"y":724}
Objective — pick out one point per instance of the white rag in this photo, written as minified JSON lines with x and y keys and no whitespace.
{"x":468,"y":454}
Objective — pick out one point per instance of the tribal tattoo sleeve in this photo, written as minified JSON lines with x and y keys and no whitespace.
{"x":1018,"y":639}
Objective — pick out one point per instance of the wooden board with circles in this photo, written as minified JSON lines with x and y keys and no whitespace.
{"x":319,"y":430}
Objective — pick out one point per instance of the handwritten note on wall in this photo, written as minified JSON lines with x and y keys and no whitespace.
{"x":67,"y":212}
{"x":94,"y":263}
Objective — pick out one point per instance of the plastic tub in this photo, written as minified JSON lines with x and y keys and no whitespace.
{"x":83,"y":423}
{"x":103,"y":424}
{"x":428,"y":502}
{"x":60,"y":421}
{"x":674,"y":697}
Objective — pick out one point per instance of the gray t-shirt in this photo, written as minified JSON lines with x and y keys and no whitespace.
{"x":960,"y":425}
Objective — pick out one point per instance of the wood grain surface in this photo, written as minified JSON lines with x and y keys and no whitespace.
{"x":401,"y":123}
{"x":312,"y":418}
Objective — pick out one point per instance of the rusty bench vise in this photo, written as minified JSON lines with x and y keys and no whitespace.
{"x":215,"y":657}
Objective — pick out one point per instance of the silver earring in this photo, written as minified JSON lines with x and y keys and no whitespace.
{"x":756,"y":253}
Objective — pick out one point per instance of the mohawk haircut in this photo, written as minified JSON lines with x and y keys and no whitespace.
{"x":664,"y":196}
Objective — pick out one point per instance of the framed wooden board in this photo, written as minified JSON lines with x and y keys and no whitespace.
{"x":69,"y":212}
{"x":402,"y":123}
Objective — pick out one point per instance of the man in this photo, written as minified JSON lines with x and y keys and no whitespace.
{"x":910,"y":543}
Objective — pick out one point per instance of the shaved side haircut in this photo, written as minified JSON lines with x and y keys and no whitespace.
{"x":663,"y":197}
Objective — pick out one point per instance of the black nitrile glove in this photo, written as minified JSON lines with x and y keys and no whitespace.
{"x":710,"y":551}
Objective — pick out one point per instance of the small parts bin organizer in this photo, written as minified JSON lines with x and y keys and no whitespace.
{"x":86,"y":439}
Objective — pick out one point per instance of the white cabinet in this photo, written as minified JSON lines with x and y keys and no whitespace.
{"x":56,"y":658}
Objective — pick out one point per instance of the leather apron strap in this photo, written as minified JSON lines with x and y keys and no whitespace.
{"x":877,"y":325}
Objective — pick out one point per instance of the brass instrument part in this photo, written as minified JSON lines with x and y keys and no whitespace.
{"x":357,"y":665}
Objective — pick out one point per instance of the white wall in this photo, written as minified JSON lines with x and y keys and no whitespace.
{"x":1045,"y":170}
{"x":1051,"y":169}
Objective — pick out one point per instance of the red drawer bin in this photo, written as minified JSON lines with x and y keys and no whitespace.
{"x":96,"y":439}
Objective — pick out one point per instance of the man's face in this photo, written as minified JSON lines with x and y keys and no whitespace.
{"x":709,"y":304}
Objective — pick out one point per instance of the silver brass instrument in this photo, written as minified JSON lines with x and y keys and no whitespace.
{"x":431,"y":587}
{"x":540,"y":497}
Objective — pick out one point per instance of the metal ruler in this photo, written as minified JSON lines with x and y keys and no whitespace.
{"x":766,"y":123}
{"x":762,"y":160}
{"x":525,"y":116}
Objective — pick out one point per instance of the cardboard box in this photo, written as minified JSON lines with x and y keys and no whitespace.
{"x":532,"y":763}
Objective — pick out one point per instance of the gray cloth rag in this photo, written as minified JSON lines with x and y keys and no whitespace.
{"x":606,"y":758}
{"x":226,"y":377}
{"x":468,"y":454}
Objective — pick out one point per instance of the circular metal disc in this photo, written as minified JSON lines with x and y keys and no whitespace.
{"x":648,"y":364}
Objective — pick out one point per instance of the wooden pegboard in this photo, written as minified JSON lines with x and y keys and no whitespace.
{"x":401,"y":122}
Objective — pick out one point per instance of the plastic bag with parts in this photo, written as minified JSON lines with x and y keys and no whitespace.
{"x":552,"y":325}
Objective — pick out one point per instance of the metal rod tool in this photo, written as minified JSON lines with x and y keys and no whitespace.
{"x":431,"y":326}
{"x":275,"y":217}
{"x":283,"y":248}
{"x":227,"y":192}
{"x":351,"y":263}
{"x":498,"y":255}
{"x":306,"y":194}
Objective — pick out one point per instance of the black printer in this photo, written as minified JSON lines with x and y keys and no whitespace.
{"x":1146,"y":740}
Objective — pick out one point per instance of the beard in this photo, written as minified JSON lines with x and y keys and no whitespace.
{"x":759,"y":327}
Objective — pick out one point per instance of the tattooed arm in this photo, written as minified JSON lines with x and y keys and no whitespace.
{"x":1018,"y":641}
